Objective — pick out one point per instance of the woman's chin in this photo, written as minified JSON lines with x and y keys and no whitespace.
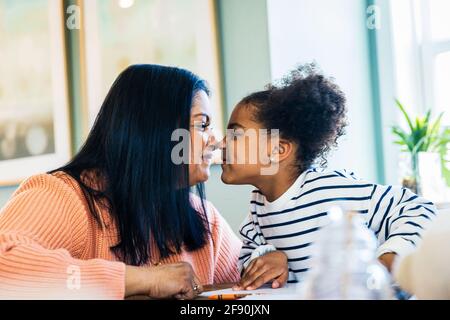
{"x":200,"y":174}
{"x":204,"y":172}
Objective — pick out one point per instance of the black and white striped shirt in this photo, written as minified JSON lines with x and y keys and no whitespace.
{"x":395,"y":215}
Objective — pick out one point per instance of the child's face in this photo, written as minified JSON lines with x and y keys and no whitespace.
{"x":246,"y":150}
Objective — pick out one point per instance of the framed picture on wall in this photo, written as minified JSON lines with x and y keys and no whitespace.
{"x":119,"y":33}
{"x":34,"y":111}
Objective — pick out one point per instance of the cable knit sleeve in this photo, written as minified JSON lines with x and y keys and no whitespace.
{"x":227,"y":247}
{"x":42,"y":228}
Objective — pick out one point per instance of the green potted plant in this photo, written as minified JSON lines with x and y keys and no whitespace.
{"x":423,"y":135}
{"x":445,"y":155}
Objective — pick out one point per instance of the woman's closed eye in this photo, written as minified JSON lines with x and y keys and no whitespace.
{"x":202,"y":125}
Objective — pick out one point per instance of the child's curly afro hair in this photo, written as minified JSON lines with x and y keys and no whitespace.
{"x":307,"y":108}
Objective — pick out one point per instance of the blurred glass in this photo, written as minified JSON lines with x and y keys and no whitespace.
{"x":345,"y":266}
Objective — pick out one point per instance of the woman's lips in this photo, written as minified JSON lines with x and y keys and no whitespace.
{"x":208,"y":156}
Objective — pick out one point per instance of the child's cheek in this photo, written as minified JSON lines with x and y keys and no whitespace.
{"x":233,"y":153}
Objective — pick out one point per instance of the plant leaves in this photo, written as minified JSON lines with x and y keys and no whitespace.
{"x":405,"y":114}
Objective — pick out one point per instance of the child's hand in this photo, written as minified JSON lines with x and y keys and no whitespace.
{"x":387,"y":260}
{"x":271,"y":266}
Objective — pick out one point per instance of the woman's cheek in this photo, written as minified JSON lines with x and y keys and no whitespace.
{"x":196,"y":150}
{"x":202,"y":172}
{"x":195,"y":174}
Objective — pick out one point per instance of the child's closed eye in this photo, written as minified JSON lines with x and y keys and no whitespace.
{"x":235,"y":134}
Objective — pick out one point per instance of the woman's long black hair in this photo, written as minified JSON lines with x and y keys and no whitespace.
{"x":129,"y":148}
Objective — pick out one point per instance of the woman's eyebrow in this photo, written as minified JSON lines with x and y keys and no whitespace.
{"x":201,"y":114}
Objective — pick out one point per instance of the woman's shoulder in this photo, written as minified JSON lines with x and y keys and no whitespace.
{"x":48,"y":208}
{"x":54,"y":185}
{"x":58,"y":181}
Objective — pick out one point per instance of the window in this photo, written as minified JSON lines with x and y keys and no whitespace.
{"x":124,"y":32}
{"x":34,"y":112}
{"x":421,"y":40}
{"x":434,"y":27}
{"x":439,"y":11}
{"x":442,"y":83}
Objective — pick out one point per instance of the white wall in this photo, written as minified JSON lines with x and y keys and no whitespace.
{"x":333,"y":34}
{"x":5,"y":194}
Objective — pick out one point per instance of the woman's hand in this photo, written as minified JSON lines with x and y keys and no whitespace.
{"x":163,"y":282}
{"x":271,"y":266}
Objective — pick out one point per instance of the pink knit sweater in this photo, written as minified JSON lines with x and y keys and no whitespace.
{"x":51,"y":247}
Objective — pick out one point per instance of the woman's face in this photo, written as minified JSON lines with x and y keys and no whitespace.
{"x":203,"y":140}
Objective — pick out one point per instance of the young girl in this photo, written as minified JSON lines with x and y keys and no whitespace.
{"x":288,"y":206}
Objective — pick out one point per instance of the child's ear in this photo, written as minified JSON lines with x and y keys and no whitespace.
{"x":284,"y":149}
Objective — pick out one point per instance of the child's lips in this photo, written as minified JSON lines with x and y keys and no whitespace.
{"x":224,"y":157}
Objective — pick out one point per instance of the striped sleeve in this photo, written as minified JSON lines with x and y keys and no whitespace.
{"x":251,"y":239}
{"x":255,"y":245}
{"x":398,"y":218}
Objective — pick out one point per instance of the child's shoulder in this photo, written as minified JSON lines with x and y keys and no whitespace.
{"x":318,"y":178}
{"x":343,"y":173}
{"x":329,"y":177}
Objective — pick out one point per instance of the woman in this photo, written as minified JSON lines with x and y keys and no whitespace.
{"x":119,"y":219}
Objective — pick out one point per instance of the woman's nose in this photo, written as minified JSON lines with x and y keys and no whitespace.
{"x":212,"y":137}
{"x":212,"y":140}
{"x":215,"y":145}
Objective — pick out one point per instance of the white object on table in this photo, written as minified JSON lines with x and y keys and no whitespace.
{"x":288,"y":292}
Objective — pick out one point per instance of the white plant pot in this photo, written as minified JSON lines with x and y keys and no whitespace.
{"x":432,"y":183}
